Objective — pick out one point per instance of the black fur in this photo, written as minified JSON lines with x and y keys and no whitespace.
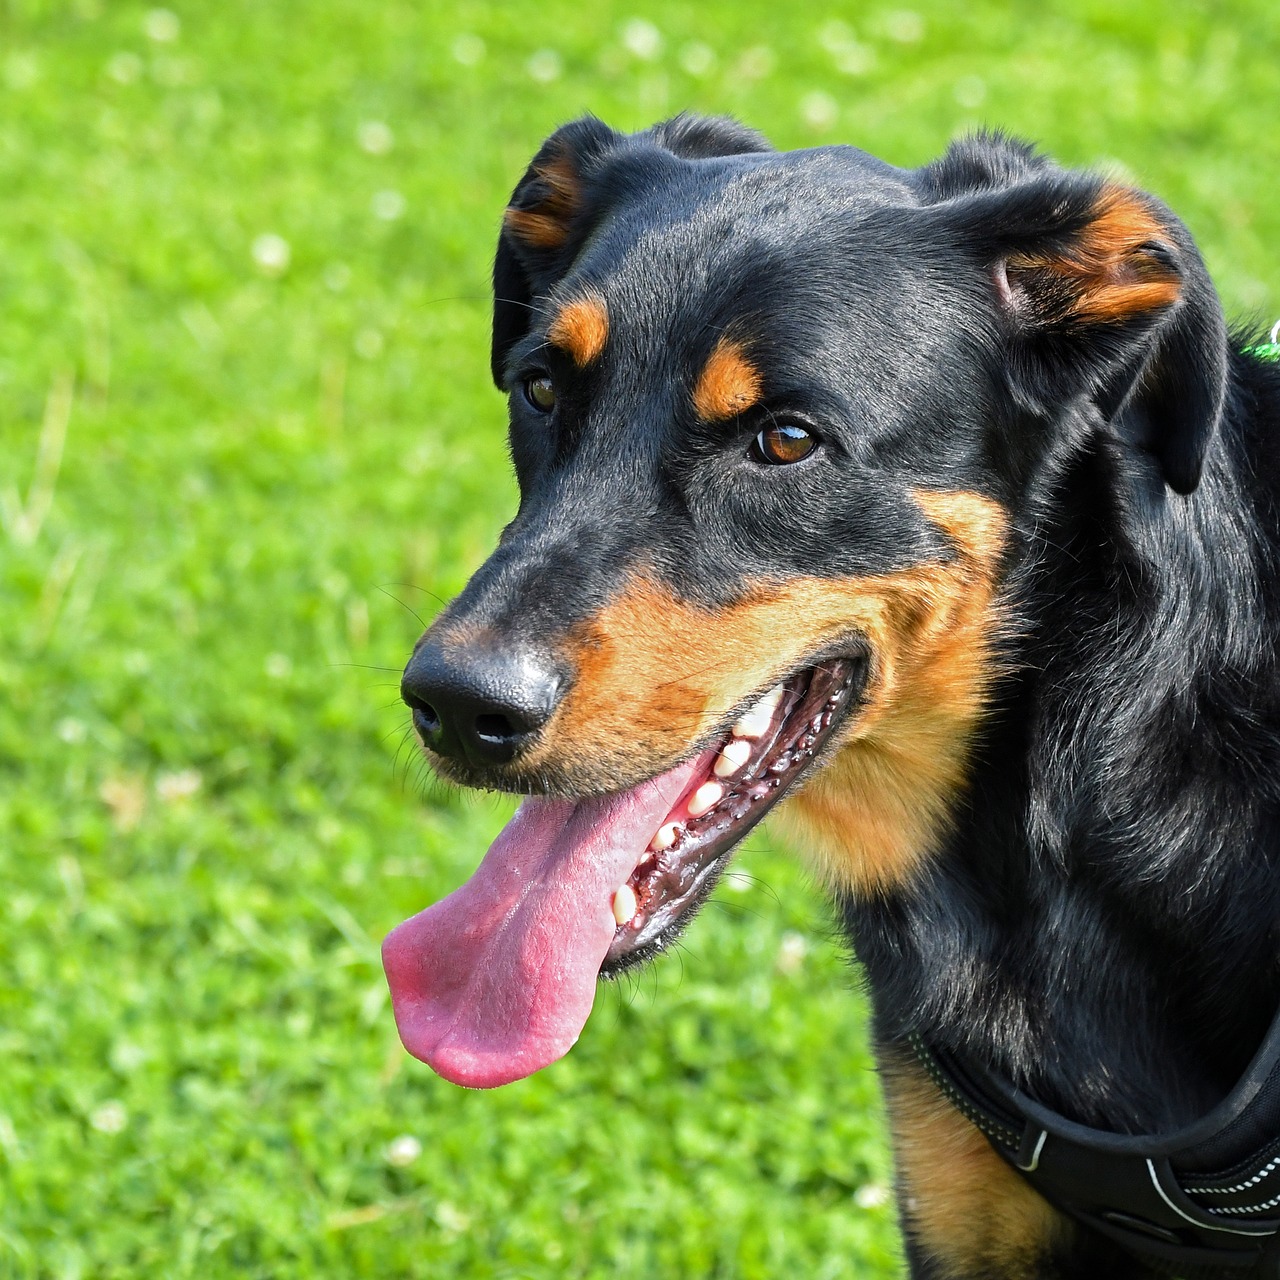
{"x":1101,"y":922}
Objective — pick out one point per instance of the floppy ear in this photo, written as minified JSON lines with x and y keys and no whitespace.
{"x":703,"y":137}
{"x":551,"y":210}
{"x":1104,"y":295}
{"x":541,"y":229}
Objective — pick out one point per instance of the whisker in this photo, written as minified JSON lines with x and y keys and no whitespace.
{"x":736,"y":908}
{"x":401,"y":603}
{"x":756,"y":883}
{"x":403,"y":729}
{"x":413,"y":586}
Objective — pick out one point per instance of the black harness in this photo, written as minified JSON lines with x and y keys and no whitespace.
{"x":1202,"y":1203}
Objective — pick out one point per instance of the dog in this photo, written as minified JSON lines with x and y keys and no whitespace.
{"x":940,"y":504}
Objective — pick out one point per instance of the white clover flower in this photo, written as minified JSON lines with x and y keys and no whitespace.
{"x":181,"y":784}
{"x":697,"y":59}
{"x":642,"y":38}
{"x":375,"y":137}
{"x":402,"y":1151}
{"x":124,"y":68}
{"x":468,"y":50}
{"x":162,"y":25}
{"x":110,"y":1117}
{"x":871,"y":1195}
{"x":271,"y":253}
{"x":545,"y":66}
{"x":819,"y":110}
{"x":388,"y":205}
{"x":278,"y":666}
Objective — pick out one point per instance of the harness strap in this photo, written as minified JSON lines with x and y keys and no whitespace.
{"x":1219,"y":1225}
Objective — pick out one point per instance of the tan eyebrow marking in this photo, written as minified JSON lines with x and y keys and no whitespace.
{"x":581,"y":328}
{"x":728,"y":385}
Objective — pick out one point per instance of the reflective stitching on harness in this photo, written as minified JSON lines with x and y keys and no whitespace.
{"x":986,"y":1106}
{"x":993,"y":1129}
{"x":1252,"y":1208}
{"x":1240,"y":1186}
{"x":1203,"y":1226}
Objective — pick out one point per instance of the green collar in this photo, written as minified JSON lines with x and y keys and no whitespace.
{"x":1269,"y":350}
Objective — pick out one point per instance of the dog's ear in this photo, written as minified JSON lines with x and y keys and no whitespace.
{"x":542,"y":227}
{"x":552,"y":210}
{"x":703,"y":137}
{"x":1103,"y":294}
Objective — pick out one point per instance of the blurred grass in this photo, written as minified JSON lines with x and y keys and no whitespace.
{"x":243,"y":261}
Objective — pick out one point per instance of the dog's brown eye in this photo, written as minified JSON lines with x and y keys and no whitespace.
{"x":541,"y":393}
{"x":779,"y":445}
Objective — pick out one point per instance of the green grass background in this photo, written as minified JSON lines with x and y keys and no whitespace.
{"x":273,"y":472}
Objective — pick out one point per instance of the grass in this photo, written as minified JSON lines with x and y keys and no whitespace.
{"x":247,"y":445}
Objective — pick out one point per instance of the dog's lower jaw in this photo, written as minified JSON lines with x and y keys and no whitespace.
{"x":766,"y":753}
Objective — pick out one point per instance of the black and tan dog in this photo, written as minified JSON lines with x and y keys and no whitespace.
{"x":945,"y":493}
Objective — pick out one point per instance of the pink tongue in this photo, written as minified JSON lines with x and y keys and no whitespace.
{"x":496,"y":981}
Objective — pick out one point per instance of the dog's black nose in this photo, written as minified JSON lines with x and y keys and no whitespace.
{"x":480,"y":704}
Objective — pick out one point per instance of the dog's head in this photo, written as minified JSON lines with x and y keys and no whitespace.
{"x":777,"y":420}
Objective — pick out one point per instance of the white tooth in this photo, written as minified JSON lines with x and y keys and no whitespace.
{"x":769,"y":703}
{"x":732,"y":757}
{"x":705,"y":798}
{"x":624,"y":904}
{"x":755,"y":723}
{"x":665,"y":838}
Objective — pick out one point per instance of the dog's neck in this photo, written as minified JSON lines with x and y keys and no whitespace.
{"x":1099,"y":919}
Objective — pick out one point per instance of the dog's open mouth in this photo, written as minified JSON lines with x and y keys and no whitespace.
{"x":763,"y":754}
{"x":497,"y":980}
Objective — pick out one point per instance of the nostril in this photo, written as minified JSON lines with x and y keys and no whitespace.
{"x":495,"y":729}
{"x":479,"y":705}
{"x":425,"y":717}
